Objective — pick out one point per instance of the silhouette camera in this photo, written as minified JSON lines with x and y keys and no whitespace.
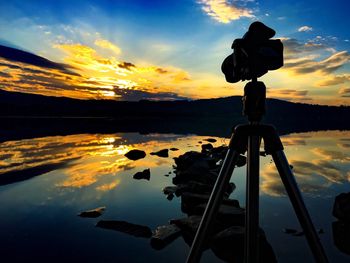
{"x":254,"y":54}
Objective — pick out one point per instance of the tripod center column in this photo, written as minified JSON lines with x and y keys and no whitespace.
{"x":252,"y":201}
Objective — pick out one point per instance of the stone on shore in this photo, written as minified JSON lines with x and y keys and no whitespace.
{"x":135,"y":154}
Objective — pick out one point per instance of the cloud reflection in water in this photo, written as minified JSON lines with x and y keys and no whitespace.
{"x":318,"y":163}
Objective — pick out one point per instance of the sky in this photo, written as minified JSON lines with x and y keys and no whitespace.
{"x":167,"y":50}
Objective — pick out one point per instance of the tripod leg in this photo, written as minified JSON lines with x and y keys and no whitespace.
{"x":213,"y":205}
{"x":252,"y":201}
{"x":295,"y":197}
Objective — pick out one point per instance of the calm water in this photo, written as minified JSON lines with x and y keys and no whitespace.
{"x":39,"y":221}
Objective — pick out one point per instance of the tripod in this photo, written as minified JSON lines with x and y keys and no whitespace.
{"x":244,"y":138}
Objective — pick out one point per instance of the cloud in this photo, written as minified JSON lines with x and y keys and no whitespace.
{"x":16,"y":55}
{"x":331,"y":155}
{"x":126,"y":65}
{"x":334,"y":80}
{"x":325,"y":66}
{"x":107,"y":45}
{"x":344,"y":92}
{"x":307,"y":175}
{"x":288,"y":94}
{"x":224,"y":11}
{"x":94,"y":77}
{"x":293,"y":47}
{"x":305,"y":29}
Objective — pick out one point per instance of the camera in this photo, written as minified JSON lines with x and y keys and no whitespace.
{"x":254,"y":54}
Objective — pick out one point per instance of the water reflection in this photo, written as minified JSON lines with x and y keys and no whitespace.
{"x":72,"y":173}
{"x":318,"y":159}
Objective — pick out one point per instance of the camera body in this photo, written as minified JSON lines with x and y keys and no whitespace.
{"x":254,"y":54}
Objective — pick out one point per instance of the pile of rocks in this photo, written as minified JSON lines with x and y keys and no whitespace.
{"x":195,"y":176}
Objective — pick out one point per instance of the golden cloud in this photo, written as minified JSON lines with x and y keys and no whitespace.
{"x":334,"y":80}
{"x":108,"y":45}
{"x":224,"y":11}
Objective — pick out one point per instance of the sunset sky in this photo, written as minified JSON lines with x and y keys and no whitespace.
{"x":131,"y":50}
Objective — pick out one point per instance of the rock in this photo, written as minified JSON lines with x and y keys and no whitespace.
{"x":135,"y":155}
{"x":126,"y":227}
{"x":186,"y":160}
{"x":200,"y":188}
{"x":219,"y":152}
{"x":341,"y":207}
{"x":207,"y":147}
{"x":173,"y":149}
{"x":228,"y":245}
{"x":227,"y":214}
{"x":145,"y":174}
{"x":162,"y":153}
{"x":242,"y":160}
{"x":169,"y":190}
{"x":164,"y":235}
{"x":93,"y":213}
{"x":298,"y":234}
{"x":341,"y":236}
{"x":210,"y":140}
{"x":199,"y":171}
{"x":289,"y":230}
{"x":189,"y":202}
{"x":187,"y":224}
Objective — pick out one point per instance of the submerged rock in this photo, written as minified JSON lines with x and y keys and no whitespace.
{"x":210,"y":140}
{"x":341,"y":236}
{"x":135,"y":155}
{"x":164,"y":235}
{"x":145,"y":174}
{"x":162,"y":153}
{"x":229,"y":246}
{"x":93,"y":213}
{"x":341,"y":207}
{"x":290,"y":231}
{"x":190,"y":201}
{"x":188,"y":224}
{"x":126,"y":227}
{"x":227,"y":214}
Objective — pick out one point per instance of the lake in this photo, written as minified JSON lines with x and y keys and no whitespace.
{"x":61,"y":176}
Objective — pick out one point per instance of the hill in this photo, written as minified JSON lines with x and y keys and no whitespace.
{"x":207,"y":116}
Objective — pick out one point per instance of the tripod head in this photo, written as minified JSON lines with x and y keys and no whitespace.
{"x":254,"y":100}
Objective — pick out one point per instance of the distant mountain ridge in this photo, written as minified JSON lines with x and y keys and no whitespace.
{"x":60,"y":115}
